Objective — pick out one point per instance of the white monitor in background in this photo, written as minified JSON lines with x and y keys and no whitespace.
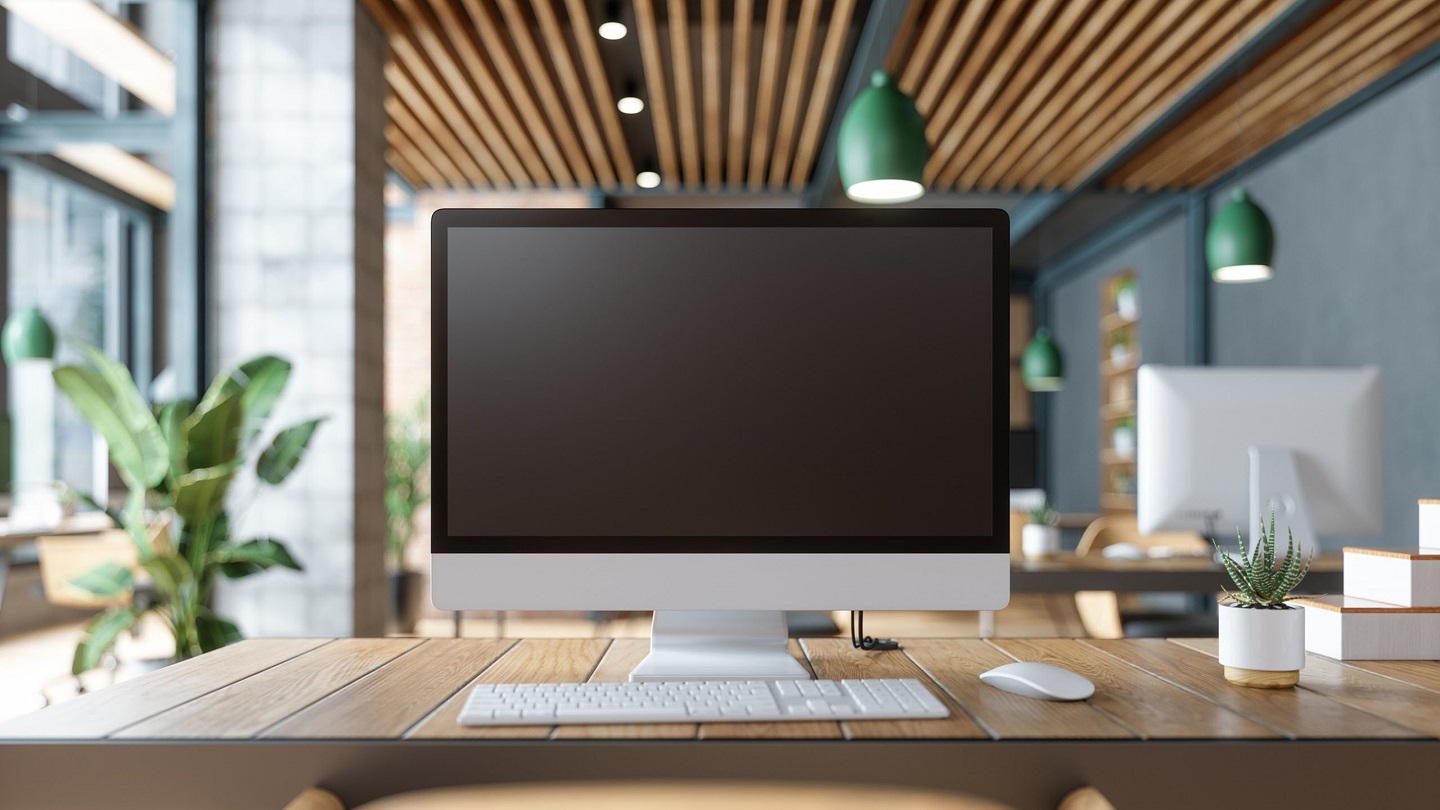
{"x":1219,"y":447}
{"x":720,"y":415}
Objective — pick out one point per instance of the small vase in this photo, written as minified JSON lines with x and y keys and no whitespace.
{"x":1262,"y":647}
{"x":1039,"y":540}
{"x":1127,"y":304}
{"x":1123,"y":441}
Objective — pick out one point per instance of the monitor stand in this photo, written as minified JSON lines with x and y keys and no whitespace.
{"x":1275,"y":485}
{"x":719,"y":645}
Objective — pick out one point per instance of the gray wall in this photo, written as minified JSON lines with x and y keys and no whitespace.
{"x":1158,"y":256}
{"x":1356,"y":212}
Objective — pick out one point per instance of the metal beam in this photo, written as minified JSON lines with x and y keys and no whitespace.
{"x":1285,"y":23}
{"x":1197,"y":281}
{"x":882,"y":24}
{"x":186,"y":346}
{"x":41,"y":132}
{"x":1130,"y":225}
{"x":1032,"y":211}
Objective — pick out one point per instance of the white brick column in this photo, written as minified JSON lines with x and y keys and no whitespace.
{"x":297,"y":222}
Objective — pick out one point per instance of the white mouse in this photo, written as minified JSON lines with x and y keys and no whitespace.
{"x":1042,"y":681}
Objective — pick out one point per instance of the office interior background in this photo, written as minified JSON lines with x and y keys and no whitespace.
{"x":189,"y":184}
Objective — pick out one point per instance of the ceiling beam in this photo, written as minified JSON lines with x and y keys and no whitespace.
{"x":43,"y":131}
{"x":882,"y":25}
{"x":1281,"y":26}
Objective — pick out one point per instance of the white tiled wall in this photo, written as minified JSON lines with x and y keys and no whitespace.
{"x":298,"y":217}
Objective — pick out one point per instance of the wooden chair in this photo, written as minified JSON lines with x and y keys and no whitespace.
{"x":1101,"y":611}
{"x":65,"y":557}
{"x":643,"y":796}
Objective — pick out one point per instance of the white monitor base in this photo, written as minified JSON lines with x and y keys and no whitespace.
{"x":719,"y":645}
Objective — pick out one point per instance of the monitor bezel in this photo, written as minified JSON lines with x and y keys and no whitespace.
{"x":996,"y":220}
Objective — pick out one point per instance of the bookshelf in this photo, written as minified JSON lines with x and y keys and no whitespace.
{"x":1119,"y":358}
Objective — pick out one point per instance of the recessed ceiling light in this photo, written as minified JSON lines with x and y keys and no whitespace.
{"x":611,"y":27}
{"x":647,"y":180}
{"x":630,"y":105}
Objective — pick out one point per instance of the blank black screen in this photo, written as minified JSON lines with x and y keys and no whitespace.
{"x":674,"y":382}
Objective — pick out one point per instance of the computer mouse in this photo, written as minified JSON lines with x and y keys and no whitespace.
{"x":1123,"y":551}
{"x":1041,"y":681}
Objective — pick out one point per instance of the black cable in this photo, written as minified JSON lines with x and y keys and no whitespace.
{"x":860,"y":641}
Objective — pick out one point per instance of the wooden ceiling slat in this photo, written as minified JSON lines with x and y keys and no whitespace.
{"x":448,"y":88}
{"x":677,"y":21}
{"x":1044,"y":129}
{"x":1018,"y":130}
{"x":916,"y":60}
{"x":795,"y":86}
{"x":962,"y":33}
{"x":619,"y":150}
{"x":826,"y":77}
{"x":711,"y":75}
{"x":395,"y":160}
{"x":1038,"y":169}
{"x":554,"y":123}
{"x":1276,"y":78}
{"x":1364,"y":58}
{"x":739,"y":92}
{"x":1018,"y":49}
{"x":771,"y":45}
{"x":905,"y":37}
{"x":420,"y":170}
{"x":473,"y":71}
{"x":1017,"y":87}
{"x":1149,"y":80}
{"x":439,"y":128}
{"x":416,"y":80}
{"x":1216,"y":42}
{"x":655,"y":70}
{"x":438,"y":165}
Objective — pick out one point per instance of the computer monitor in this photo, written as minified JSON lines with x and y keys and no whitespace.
{"x":735,"y":411}
{"x":1219,"y":448}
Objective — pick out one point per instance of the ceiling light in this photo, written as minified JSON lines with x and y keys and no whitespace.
{"x":1041,"y":366}
{"x":1240,"y":242}
{"x":882,"y":145}
{"x":612,"y":28}
{"x":630,"y":102}
{"x":108,"y":43}
{"x":647,"y":179}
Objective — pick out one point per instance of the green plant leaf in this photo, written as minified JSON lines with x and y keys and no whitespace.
{"x":200,"y":494}
{"x":285,"y":452}
{"x":171,"y":417}
{"x":252,"y":557}
{"x":129,"y":429}
{"x":170,"y":575}
{"x":212,"y":432}
{"x":215,"y":632}
{"x":89,"y":500}
{"x":260,"y":382}
{"x":107,"y":580}
{"x":100,"y":636}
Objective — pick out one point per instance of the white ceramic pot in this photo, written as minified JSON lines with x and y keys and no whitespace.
{"x":1262,"y":640}
{"x":1127,"y":304}
{"x":1119,"y":354}
{"x":1123,"y":441}
{"x":1038,"y":540}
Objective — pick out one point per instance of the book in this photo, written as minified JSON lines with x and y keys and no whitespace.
{"x":1349,"y":628}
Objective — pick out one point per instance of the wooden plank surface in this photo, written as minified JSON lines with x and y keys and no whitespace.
{"x":1424,"y":674}
{"x":1143,"y":703}
{"x":102,"y":713}
{"x":1295,"y":713}
{"x":248,"y":707}
{"x":595,"y":75}
{"x":389,"y":701}
{"x":956,"y":664}
{"x":567,"y":660}
{"x":834,"y":659}
{"x":1410,"y":706}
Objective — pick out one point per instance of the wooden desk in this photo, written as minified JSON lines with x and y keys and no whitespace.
{"x":1067,"y":573}
{"x":251,"y":725}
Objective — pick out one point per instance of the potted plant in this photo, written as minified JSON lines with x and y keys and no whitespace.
{"x":1040,"y":536}
{"x":407,"y":489}
{"x":1127,"y":299}
{"x":1122,"y":437}
{"x":1262,"y":638}
{"x":1119,"y":347}
{"x":178,"y":460}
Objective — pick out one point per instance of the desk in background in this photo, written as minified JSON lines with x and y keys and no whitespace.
{"x":251,"y":725}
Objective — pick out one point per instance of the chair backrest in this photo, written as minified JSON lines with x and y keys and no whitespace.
{"x":1017,"y":532}
{"x":65,"y":557}
{"x":1109,"y":530}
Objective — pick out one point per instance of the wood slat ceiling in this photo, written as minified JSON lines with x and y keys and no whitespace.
{"x":1342,"y":50}
{"x":1018,"y":95}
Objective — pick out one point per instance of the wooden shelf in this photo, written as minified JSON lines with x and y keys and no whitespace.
{"x":1108,"y":369}
{"x":1117,"y":410}
{"x":1110,"y":458}
{"x":1117,"y":380}
{"x":1115,"y":501}
{"x":1112,"y":322}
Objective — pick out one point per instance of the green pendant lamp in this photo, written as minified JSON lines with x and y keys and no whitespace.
{"x":27,"y":336}
{"x":882,"y":145}
{"x":1240,"y":242}
{"x":1041,"y":366}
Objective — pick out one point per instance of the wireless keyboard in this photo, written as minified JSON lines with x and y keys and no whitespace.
{"x":528,"y":704}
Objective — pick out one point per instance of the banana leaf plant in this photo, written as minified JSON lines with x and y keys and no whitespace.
{"x":179,"y":459}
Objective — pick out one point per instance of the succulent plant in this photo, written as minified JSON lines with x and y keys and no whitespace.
{"x":1262,"y":581}
{"x":1043,"y":515}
